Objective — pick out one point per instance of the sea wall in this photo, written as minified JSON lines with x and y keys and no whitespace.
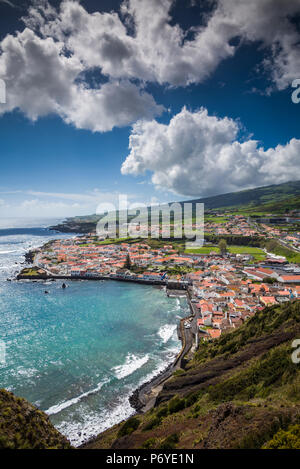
{"x":171,"y":286}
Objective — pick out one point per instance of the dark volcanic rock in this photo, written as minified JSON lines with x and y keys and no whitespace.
{"x":71,"y":227}
{"x":29,"y":257}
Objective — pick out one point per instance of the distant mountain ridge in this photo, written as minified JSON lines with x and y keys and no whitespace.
{"x":258,"y":196}
{"x":273,"y":198}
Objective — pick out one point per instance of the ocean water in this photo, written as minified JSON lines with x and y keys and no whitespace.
{"x":79,"y":353}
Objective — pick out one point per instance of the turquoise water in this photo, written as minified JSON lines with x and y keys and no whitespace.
{"x":79,"y":353}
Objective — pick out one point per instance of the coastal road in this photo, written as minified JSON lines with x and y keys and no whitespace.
{"x":279,"y":240}
{"x":287,"y":245}
{"x":187,"y":338}
{"x":147,"y":394}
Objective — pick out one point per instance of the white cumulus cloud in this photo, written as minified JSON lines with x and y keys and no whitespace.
{"x":197,"y":154}
{"x":141,"y":43}
{"x":41,"y":79}
{"x":45,"y":66}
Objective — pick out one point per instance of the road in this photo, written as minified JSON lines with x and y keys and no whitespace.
{"x":279,"y":240}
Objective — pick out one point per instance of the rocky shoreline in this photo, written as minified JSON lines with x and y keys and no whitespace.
{"x":138,"y":397}
{"x":29,"y":257}
{"x":74,"y":227}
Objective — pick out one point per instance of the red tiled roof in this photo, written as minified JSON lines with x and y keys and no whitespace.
{"x":214,"y":333}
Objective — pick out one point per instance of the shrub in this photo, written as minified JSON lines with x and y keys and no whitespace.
{"x":162,"y":412}
{"x":274,"y":368}
{"x":150,"y":443}
{"x":256,"y":439}
{"x":176,"y":404}
{"x":170,"y":442}
{"x":192,"y":398}
{"x":289,"y":439}
{"x":129,"y":427}
{"x":269,"y":280}
{"x":154,"y":422}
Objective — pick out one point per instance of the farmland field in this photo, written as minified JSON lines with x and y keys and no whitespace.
{"x":257,"y":253}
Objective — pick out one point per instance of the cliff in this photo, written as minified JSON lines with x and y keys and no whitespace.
{"x":241,"y":391}
{"x":23,"y":426}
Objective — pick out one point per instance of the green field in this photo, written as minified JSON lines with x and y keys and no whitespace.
{"x":257,"y":253}
{"x":208,"y":219}
{"x":203,"y":250}
{"x":31,"y":272}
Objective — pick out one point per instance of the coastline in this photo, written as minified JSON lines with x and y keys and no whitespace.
{"x":144,"y":396}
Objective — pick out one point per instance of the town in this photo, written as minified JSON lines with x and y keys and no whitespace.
{"x":225,"y":285}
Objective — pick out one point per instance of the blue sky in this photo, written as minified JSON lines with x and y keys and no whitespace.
{"x":208,"y":114}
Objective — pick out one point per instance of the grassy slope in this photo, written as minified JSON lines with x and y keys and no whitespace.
{"x":284,"y":196}
{"x":241,"y":391}
{"x":23,"y":426}
{"x":291,"y":255}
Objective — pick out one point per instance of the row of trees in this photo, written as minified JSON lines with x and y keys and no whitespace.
{"x":235,"y":240}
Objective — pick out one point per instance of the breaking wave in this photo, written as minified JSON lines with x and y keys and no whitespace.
{"x":64,"y":405}
{"x":166,"y":332}
{"x":131,"y":364}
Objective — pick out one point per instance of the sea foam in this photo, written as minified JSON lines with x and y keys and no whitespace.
{"x":64,"y":405}
{"x":96,"y":422}
{"x":166,"y":332}
{"x":131,"y":364}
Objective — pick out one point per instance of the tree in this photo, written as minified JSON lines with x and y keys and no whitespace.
{"x":222,"y":246}
{"x":127,"y":264}
{"x":271,"y":245}
{"x":269,"y":280}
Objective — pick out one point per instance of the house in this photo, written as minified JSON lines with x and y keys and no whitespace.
{"x":151,"y":276}
{"x":76,"y":271}
{"x":214,"y":333}
{"x":268,"y":300}
{"x":289,"y":278}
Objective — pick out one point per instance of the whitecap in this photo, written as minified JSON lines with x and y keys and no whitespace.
{"x":166,"y":332}
{"x":27,"y":372}
{"x":8,"y":252}
{"x":96,"y":422}
{"x":131,"y":364}
{"x":64,"y":405}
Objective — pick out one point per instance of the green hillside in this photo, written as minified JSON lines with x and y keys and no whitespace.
{"x":271,"y":199}
{"x":241,"y":391}
{"x":274,"y":196}
{"x":23,"y":426}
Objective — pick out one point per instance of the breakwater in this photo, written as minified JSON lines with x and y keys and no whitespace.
{"x":170,"y":285}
